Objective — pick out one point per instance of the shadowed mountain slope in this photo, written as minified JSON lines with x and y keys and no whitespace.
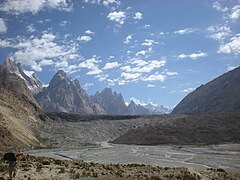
{"x":187,"y":129}
{"x":18,"y":111}
{"x":219,"y":95}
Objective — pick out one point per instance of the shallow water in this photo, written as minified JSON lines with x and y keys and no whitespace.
{"x":225,"y":156}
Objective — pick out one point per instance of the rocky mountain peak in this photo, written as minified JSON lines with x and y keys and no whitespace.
{"x":112,"y":102}
{"x":61,"y":78}
{"x":107,"y":91}
{"x":134,"y":109}
{"x":65,"y":95}
{"x":30,"y":78}
{"x":132,"y":103}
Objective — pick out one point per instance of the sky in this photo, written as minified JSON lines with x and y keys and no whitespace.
{"x":150,"y":51}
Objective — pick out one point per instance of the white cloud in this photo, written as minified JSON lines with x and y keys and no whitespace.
{"x":166,"y":72}
{"x":103,"y":2}
{"x":143,"y":53}
{"x":91,"y":65}
{"x":87,"y":86}
{"x":63,"y":64}
{"x":145,"y":67}
{"x":230,"y":67}
{"x":111,"y":65}
{"x":184,"y":31}
{"x":130,"y":75}
{"x":128,"y":39}
{"x":187,"y":90}
{"x":5,"y":43}
{"x":118,"y":17}
{"x":150,"y":85}
{"x":22,"y":6}
{"x":89,"y":32}
{"x":155,"y":77}
{"x":46,"y":62}
{"x":122,"y":82}
{"x":193,"y":56}
{"x":3,"y":27}
{"x":138,"y":16}
{"x":231,"y":47}
{"x":84,"y":38}
{"x":147,"y":26}
{"x":32,"y":51}
{"x":139,"y":62}
{"x":235,"y":13}
{"x":109,"y":2}
{"x":219,"y":32}
{"x":149,"y":42}
{"x":161,"y":33}
{"x":218,"y":6}
{"x":102,"y":77}
{"x":63,"y":23}
{"x":137,"y":101}
{"x":30,"y":28}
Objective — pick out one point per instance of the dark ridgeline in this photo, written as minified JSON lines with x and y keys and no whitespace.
{"x":219,"y":95}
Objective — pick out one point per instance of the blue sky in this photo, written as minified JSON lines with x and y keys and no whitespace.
{"x":151,"y":51}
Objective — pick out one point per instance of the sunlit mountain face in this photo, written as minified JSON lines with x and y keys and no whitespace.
{"x":152,"y":52}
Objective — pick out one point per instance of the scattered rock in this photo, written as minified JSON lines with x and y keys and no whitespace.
{"x":46,"y":162}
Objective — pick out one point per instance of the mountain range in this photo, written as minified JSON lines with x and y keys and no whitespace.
{"x":23,"y":123}
{"x":66,"y":95}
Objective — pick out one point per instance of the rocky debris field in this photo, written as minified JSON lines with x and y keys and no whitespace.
{"x":73,"y":130}
{"x":31,"y":167}
{"x":190,"y":129}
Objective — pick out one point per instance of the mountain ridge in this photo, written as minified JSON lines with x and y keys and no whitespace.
{"x":31,"y":79}
{"x":222,"y":94}
{"x":18,"y":111}
{"x":65,"y":95}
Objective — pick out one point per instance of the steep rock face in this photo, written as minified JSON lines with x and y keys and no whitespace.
{"x":133,"y":109}
{"x":12,"y":82}
{"x":18,"y":111}
{"x":111,"y":102}
{"x":65,"y":95}
{"x":30,"y":78}
{"x":219,"y":95}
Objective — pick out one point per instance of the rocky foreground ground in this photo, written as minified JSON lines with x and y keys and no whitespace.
{"x":30,"y":167}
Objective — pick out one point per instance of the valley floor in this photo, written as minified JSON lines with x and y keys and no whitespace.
{"x":226,"y":156}
{"x":108,"y":161}
{"x":39,"y":168}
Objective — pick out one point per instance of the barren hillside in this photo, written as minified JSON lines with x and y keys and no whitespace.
{"x":197,"y":129}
